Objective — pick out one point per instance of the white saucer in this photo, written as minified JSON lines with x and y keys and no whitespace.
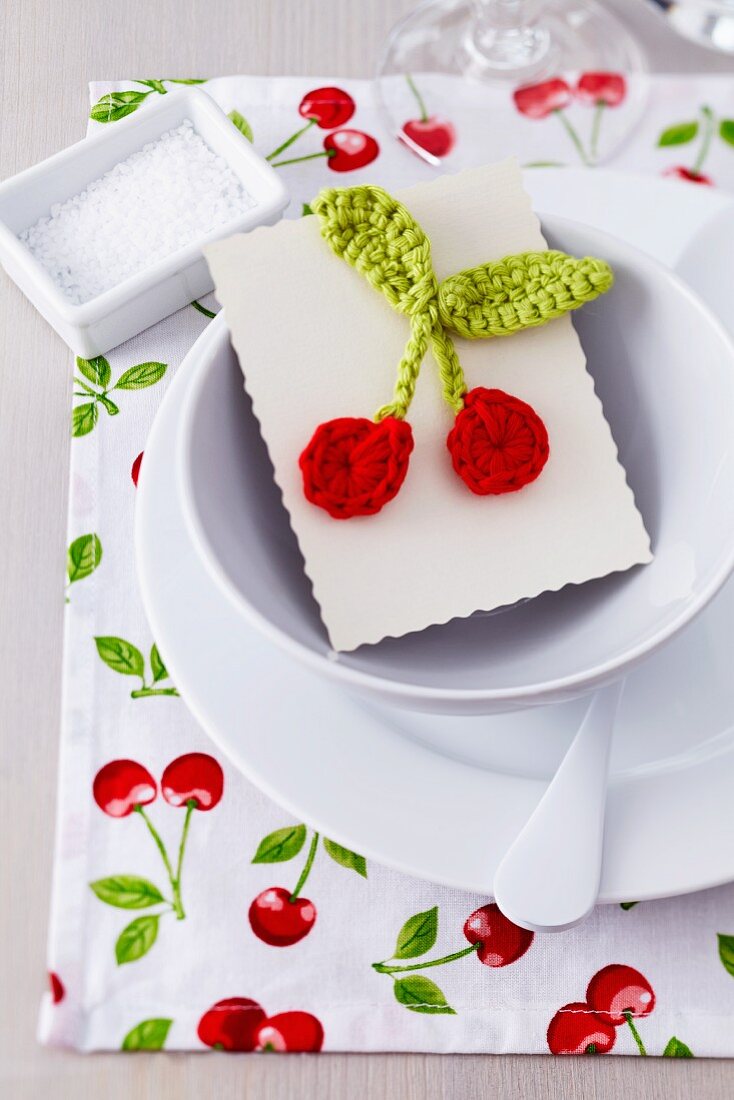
{"x":443,"y":798}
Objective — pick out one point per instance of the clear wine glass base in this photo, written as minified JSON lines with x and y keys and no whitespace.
{"x":503,"y":43}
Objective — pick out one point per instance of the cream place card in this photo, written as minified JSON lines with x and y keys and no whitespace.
{"x":317,"y":342}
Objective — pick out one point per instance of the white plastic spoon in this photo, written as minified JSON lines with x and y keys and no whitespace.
{"x":549,"y":879}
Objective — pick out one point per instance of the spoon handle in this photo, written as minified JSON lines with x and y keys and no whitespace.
{"x":549,"y":878}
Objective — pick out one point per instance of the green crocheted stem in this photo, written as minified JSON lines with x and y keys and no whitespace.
{"x":518,"y":292}
{"x":379,"y":237}
{"x":408,"y":368}
{"x":453,"y":385}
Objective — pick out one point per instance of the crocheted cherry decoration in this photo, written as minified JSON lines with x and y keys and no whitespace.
{"x":498,"y":443}
{"x":353,"y":466}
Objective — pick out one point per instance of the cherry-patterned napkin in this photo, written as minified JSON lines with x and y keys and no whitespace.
{"x":190,"y":911}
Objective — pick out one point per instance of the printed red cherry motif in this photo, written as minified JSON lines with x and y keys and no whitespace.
{"x":436,"y":135}
{"x":681,"y":173}
{"x":551,"y":97}
{"x":502,"y":942}
{"x":494,"y":939}
{"x":327,"y":107}
{"x":348,"y":150}
{"x":601,"y":88}
{"x":195,"y":780}
{"x":280,"y":918}
{"x":290,"y":1031}
{"x":353,"y":466}
{"x":576,"y":1030}
{"x":135,"y":471}
{"x":498,"y":443}
{"x":617,"y":992}
{"x":541,"y":100}
{"x":231,"y":1024}
{"x":121,"y":786}
{"x":57,"y":987}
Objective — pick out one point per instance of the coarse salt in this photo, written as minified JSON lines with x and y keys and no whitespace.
{"x":174,"y":191}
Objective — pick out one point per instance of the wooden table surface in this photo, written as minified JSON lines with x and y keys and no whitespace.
{"x":50,"y":49}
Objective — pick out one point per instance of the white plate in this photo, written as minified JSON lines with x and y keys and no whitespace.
{"x":443,"y":798}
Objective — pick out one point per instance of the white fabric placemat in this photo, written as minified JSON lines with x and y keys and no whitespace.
{"x":145,"y":957}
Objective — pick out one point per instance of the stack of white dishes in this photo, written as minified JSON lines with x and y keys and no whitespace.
{"x":366,"y":745}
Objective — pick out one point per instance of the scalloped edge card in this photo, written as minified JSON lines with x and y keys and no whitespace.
{"x":317,"y":342}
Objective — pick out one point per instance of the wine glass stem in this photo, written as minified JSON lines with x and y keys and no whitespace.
{"x":506,"y":36}
{"x":500,"y":15}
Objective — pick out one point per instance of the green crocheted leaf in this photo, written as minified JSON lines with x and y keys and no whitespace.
{"x":520,"y":291}
{"x":375,"y":233}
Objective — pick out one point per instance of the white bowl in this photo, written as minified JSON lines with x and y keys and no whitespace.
{"x":664,"y":369}
{"x":125,"y":310}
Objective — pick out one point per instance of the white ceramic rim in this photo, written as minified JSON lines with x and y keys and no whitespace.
{"x":579,"y":683}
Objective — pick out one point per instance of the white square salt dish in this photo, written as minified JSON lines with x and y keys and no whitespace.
{"x":46,"y":210}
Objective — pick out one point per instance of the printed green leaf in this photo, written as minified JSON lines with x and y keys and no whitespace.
{"x":628,"y":904}
{"x":726,"y":130}
{"x":281,"y":845}
{"x":110,"y":406}
{"x":121,"y":656}
{"x":140,"y":376}
{"x":677,"y":1049}
{"x":127,"y":892}
{"x":242,"y":124}
{"x":345,"y":858}
{"x":83,"y":557}
{"x":417,"y":935}
{"x":726,"y":952}
{"x":420,"y":994}
{"x":160,"y":671}
{"x":96,"y":370}
{"x":136,"y":939}
{"x":172,"y":80}
{"x":83,"y":419}
{"x":156,"y":85}
{"x":680,"y":134}
{"x":148,"y":1035}
{"x":115,"y":105}
{"x":306,"y":210}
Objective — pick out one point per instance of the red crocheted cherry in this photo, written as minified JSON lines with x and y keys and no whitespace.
{"x":290,"y":1031}
{"x":328,"y":107}
{"x":502,"y":942}
{"x":576,"y":1030}
{"x":616,"y":990}
{"x":231,"y":1024}
{"x":498,"y":443}
{"x":122,"y":785}
{"x":353,"y":466}
{"x":195,"y":777}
